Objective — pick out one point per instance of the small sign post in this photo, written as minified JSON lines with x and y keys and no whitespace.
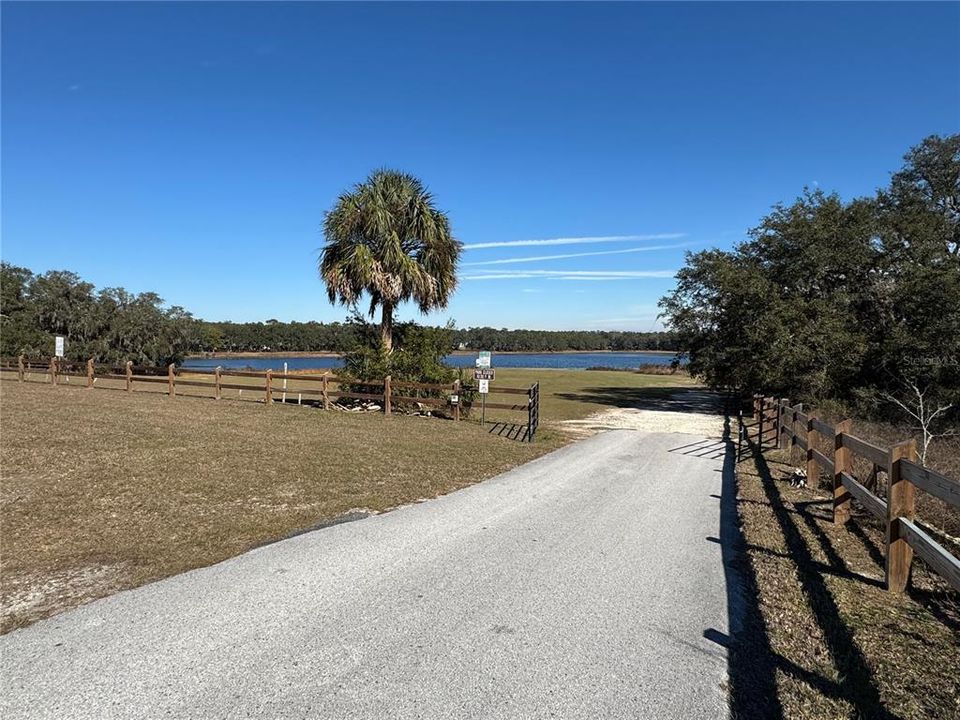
{"x":483,"y":375}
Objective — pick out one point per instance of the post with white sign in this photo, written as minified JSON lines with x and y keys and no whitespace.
{"x":58,"y":352}
{"x":483,"y":375}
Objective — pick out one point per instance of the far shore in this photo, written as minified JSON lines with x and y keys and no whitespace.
{"x":320,"y":353}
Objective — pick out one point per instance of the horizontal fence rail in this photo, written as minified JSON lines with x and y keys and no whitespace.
{"x":276,"y":387}
{"x":792,"y":427}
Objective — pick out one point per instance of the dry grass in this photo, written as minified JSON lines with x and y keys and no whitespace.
{"x":104,"y":490}
{"x":822,"y":637}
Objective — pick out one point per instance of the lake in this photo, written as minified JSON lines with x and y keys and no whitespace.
{"x":569,"y":361}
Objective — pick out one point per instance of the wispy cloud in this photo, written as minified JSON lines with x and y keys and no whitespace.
{"x":646,"y":248}
{"x":573,"y":274}
{"x":573,"y":240}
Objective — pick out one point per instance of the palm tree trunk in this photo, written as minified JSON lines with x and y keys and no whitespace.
{"x":386,"y":326}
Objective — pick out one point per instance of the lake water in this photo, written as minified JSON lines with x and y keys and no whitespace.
{"x":570,"y":361}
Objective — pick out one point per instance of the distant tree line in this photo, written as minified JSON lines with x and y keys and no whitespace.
{"x":341,"y":337}
{"x":503,"y":340}
{"x":856,"y":301}
{"x":110,"y":325}
{"x":114,"y":325}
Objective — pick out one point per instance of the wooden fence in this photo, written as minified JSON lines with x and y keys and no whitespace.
{"x":321,"y":389}
{"x":788,"y":426}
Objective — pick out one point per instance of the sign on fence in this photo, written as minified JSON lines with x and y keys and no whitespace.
{"x":484,"y":374}
{"x":59,"y":346}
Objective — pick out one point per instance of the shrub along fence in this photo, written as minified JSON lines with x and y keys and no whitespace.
{"x":319,"y":389}
{"x":786,"y":426}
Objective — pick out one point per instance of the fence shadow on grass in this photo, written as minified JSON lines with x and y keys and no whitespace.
{"x":752,"y":662}
{"x":513,"y":431}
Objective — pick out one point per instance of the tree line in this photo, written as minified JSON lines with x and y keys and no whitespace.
{"x":113,"y":325}
{"x":342,"y":337}
{"x":856,"y":301}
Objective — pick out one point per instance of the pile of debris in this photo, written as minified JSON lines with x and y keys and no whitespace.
{"x":357,"y":406}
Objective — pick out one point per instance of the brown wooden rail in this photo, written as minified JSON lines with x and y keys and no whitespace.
{"x":794,"y":427}
{"x":382,"y":391}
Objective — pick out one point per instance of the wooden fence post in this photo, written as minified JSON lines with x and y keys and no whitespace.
{"x":268,"y":398}
{"x":842,"y":463}
{"x":21,"y":369}
{"x":90,"y":371}
{"x":171,"y":378}
{"x":759,"y":412}
{"x":53,"y":371}
{"x":456,"y":408}
{"x":217,"y":390}
{"x":901,"y":497}
{"x":813,"y":468}
{"x":326,"y":398}
{"x":386,"y":395}
{"x":781,"y":444}
{"x":129,"y":376}
{"x":794,"y":411}
{"x":776,"y":424}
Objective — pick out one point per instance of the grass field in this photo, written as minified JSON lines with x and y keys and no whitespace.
{"x":105,"y":490}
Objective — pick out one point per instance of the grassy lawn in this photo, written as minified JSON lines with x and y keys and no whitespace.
{"x":822,"y":637}
{"x":105,"y":490}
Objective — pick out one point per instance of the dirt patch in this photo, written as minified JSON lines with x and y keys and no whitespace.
{"x":645,"y":420}
{"x":34,"y":594}
{"x":694,"y":412}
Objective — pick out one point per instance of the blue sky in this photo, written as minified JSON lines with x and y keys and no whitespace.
{"x":579,"y":149}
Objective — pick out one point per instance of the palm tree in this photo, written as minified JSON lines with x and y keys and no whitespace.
{"x":386,"y":238}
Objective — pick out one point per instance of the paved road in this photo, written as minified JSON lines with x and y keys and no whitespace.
{"x":581,"y":585}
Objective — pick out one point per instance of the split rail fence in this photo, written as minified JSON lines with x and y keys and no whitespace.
{"x":321,"y":389}
{"x":788,"y":426}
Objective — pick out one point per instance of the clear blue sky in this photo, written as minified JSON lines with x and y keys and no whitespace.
{"x":192,"y":149}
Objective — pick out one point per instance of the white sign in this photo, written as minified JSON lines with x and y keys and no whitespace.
{"x":454,"y":399}
{"x":483,"y":361}
{"x":59,"y":351}
{"x":484,"y":387}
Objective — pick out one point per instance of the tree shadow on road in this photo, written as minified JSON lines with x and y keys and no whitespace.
{"x":751,"y":662}
{"x":670,"y":399}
